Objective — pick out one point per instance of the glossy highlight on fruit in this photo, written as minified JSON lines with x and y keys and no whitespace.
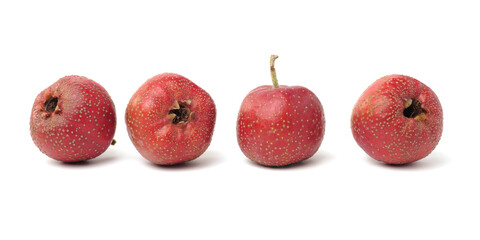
{"x":73,"y":120}
{"x":397,"y":120}
{"x":280,"y":125}
{"x":170,"y":119}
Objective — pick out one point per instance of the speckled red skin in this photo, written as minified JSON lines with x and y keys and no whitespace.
{"x":150,"y":125}
{"x":381,"y":129}
{"x":280,"y":126}
{"x":82,"y":125}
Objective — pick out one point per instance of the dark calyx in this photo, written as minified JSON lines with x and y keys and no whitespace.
{"x":182,"y":114}
{"x":51,"y":104}
{"x":414,"y":109}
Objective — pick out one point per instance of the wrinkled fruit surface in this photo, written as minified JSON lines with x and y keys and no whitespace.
{"x":73,"y":120}
{"x":170,"y":120}
{"x":397,"y":120}
{"x":280,"y":126}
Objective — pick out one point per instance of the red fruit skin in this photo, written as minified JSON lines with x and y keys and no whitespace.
{"x":381,"y":129}
{"x":82,"y":125}
{"x":280,"y":126}
{"x":150,"y":125}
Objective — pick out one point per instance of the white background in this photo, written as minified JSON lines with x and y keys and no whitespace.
{"x":335,"y":48}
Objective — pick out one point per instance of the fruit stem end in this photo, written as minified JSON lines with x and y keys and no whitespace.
{"x":273,"y":72}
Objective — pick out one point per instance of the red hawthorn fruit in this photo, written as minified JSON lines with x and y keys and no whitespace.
{"x":170,"y":120}
{"x":73,"y":120}
{"x":397,"y":120}
{"x":280,"y":125}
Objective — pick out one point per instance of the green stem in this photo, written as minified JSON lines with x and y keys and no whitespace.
{"x":273,"y":72}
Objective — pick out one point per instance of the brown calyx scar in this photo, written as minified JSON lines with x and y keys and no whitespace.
{"x":51,"y":104}
{"x":413,"y":108}
{"x":180,"y":112}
